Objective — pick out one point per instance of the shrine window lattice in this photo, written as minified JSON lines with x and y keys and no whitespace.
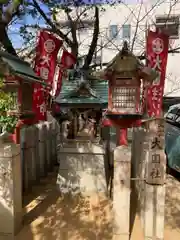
{"x":124,"y":99}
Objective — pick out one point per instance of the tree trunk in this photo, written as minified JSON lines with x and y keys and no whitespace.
{"x":6,"y":42}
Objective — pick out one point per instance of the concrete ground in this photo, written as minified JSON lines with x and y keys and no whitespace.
{"x":172,"y":208}
{"x":56,"y":217}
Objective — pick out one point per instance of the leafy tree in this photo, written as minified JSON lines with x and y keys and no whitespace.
{"x":7,"y":123}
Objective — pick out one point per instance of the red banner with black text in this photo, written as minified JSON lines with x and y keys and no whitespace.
{"x":157,"y":53}
{"x":45,"y":63}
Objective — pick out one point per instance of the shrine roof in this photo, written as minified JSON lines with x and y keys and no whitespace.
{"x":98,"y":93}
{"x":19,"y":67}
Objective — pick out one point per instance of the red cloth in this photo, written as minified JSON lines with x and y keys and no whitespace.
{"x":45,"y":63}
{"x":157,"y":53}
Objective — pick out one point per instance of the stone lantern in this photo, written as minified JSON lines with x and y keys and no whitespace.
{"x":127,"y":79}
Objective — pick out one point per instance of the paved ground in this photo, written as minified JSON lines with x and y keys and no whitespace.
{"x":55,"y":217}
{"x":172,"y":210}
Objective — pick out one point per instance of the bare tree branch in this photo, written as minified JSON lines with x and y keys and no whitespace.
{"x":52,"y":25}
{"x":4,"y":39}
{"x":94,"y":40}
{"x":137,"y":25}
{"x":73,"y":26}
{"x":6,"y":17}
{"x":11,"y":10}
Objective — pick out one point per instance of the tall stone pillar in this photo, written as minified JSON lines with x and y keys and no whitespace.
{"x":11,"y":211}
{"x":154,"y":195}
{"x":121,"y":193}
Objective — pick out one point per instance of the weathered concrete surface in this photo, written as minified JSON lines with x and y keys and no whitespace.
{"x":121,"y":193}
{"x":81,"y":168}
{"x":172,"y":207}
{"x":50,"y":216}
{"x":62,"y":217}
{"x":10,"y":191}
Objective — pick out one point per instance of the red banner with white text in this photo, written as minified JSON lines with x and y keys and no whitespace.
{"x":45,"y":63}
{"x":157,"y":53}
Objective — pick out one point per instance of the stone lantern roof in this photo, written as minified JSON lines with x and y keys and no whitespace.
{"x":126,"y":62}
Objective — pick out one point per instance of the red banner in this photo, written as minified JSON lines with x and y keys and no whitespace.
{"x":45,"y":64}
{"x":57,"y":82}
{"x":157,"y":53}
{"x":67,"y":61}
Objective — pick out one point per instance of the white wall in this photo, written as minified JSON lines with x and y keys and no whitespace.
{"x":127,"y":13}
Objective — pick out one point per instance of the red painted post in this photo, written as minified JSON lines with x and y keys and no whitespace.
{"x":122,"y":137}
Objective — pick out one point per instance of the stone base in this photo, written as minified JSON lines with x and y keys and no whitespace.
{"x":82,"y":169}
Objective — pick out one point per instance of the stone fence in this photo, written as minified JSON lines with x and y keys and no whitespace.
{"x":38,"y":152}
{"x":21,"y":167}
{"x":139,"y":183}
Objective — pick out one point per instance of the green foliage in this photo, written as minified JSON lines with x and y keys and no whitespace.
{"x":7,"y":123}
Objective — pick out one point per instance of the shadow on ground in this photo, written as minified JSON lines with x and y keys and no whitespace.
{"x":65,"y":217}
{"x":172,"y":209}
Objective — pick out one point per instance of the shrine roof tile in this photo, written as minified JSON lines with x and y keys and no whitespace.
{"x":98,"y":86}
{"x":19,"y":67}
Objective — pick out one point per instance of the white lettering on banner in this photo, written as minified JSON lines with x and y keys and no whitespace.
{"x":157,"y":63}
{"x":156,"y":94}
{"x":35,"y":90}
{"x":44,"y":73}
{"x":156,"y":99}
{"x":49,"y":46}
{"x":45,"y":60}
{"x":42,"y":108}
{"x":157,"y":46}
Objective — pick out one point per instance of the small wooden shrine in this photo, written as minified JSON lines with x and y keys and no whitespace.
{"x":17,"y":79}
{"x":81,"y":94}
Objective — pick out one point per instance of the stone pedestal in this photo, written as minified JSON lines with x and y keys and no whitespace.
{"x":81,"y":169}
{"x":10,"y":191}
{"x":121,"y":193}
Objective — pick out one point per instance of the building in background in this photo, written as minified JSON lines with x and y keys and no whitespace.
{"x":129,"y":22}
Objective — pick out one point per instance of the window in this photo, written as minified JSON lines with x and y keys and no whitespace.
{"x":126,"y":31}
{"x":113,"y":31}
{"x":168,"y":24}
